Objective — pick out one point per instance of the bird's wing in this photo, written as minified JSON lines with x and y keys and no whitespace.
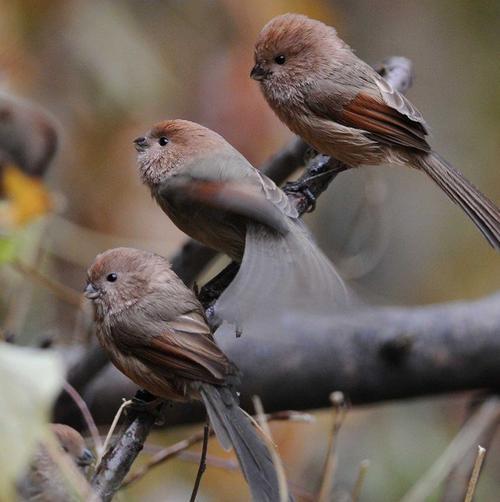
{"x":232,"y":184}
{"x":184,"y":347}
{"x":381,"y":112}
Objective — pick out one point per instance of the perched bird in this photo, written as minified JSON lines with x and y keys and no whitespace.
{"x":340,"y":106}
{"x":28,"y":136}
{"x":44,"y":482}
{"x":211,"y":192}
{"x":155,"y":332}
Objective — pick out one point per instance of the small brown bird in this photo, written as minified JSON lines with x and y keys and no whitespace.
{"x":339,"y":105}
{"x":211,"y":192}
{"x":28,"y":136}
{"x":155,"y":332}
{"x":44,"y":481}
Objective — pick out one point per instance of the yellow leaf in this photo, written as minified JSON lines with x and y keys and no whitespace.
{"x":28,"y":198}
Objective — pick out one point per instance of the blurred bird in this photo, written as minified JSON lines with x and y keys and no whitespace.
{"x":28,"y":136}
{"x":155,"y":332}
{"x":211,"y":192}
{"x":340,"y":106}
{"x":44,"y":481}
{"x":28,"y":144}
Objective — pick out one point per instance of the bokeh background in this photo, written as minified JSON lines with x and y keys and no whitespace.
{"x":108,"y":69}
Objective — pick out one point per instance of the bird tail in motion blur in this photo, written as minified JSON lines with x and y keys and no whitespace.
{"x":481,"y":210}
{"x":233,"y":428}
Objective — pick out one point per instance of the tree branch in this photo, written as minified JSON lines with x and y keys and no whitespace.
{"x":378,"y":354}
{"x":117,"y":461}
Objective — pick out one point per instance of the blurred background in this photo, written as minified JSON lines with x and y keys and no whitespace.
{"x":108,"y":69}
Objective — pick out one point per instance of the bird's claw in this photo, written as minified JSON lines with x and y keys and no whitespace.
{"x":305,"y":191}
{"x":144,"y":402}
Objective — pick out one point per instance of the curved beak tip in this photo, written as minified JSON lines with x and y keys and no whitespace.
{"x":258,"y":72}
{"x":91,"y":292}
{"x":140,"y":143}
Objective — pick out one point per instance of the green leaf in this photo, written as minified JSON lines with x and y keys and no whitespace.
{"x":30,"y":380}
{"x":8,"y":249}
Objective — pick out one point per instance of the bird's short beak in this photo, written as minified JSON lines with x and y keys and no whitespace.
{"x":141,"y":143}
{"x":86,"y":458}
{"x":91,"y":292}
{"x":259,"y":72}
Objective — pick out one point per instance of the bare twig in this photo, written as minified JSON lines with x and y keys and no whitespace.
{"x":468,"y":436}
{"x":203,"y":463}
{"x":89,"y":420}
{"x":267,"y":436}
{"x":166,"y":454}
{"x":457,"y":482}
{"x":64,"y":293}
{"x":358,"y":485}
{"x":179,"y":447}
{"x":471,"y":489}
{"x":112,"y":428}
{"x":338,"y":414}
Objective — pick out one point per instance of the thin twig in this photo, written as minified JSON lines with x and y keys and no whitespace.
{"x":174,"y":450}
{"x":468,"y":435}
{"x":358,"y":485}
{"x":87,"y":416}
{"x":458,"y":479}
{"x":64,"y":293}
{"x":481,"y":452}
{"x":338,"y":414}
{"x":165,"y":454}
{"x":278,"y":465}
{"x":203,"y":463}
{"x":109,"y":435}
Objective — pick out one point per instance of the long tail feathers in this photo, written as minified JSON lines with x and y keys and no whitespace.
{"x":234,"y":429}
{"x":481,"y":210}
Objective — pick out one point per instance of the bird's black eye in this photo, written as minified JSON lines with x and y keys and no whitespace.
{"x":280,"y":59}
{"x":65,"y":448}
{"x":111,"y":277}
{"x":163,"y":141}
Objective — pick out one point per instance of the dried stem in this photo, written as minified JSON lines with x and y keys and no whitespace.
{"x":469,"y":434}
{"x":64,"y":293}
{"x":89,"y":420}
{"x":179,"y":447}
{"x":358,"y":485}
{"x":339,"y":409}
{"x":267,"y":436}
{"x":458,"y":479}
{"x":111,"y":430}
{"x":471,"y":489}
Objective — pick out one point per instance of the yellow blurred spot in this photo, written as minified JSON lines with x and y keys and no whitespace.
{"x":27,"y":198}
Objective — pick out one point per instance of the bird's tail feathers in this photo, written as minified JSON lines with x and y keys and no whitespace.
{"x":234,"y":428}
{"x":480,"y":209}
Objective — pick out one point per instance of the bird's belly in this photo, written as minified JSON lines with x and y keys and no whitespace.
{"x":215,"y":228}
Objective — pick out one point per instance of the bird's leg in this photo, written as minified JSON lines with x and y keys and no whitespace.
{"x":319,"y":172}
{"x":144,"y":401}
